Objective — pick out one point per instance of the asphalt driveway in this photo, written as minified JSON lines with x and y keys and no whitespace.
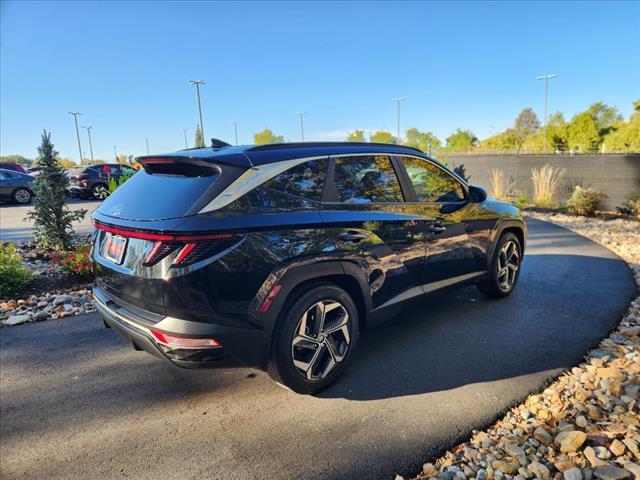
{"x":77,"y":402}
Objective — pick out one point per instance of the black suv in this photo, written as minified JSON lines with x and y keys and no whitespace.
{"x":279,"y":255}
{"x":93,"y":181}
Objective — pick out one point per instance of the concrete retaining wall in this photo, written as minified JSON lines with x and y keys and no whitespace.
{"x":617,"y":175}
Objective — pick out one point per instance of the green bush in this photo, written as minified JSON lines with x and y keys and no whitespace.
{"x":586,"y":201}
{"x":13,"y":276}
{"x":522,"y":201}
{"x":114,"y":184}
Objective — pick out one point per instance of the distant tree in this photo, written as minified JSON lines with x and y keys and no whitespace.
{"x":461,"y":140}
{"x":382,"y":136}
{"x":604,"y":116}
{"x":526,"y":125}
{"x":16,"y":159}
{"x":356,"y":136}
{"x":502,"y":142}
{"x":52,"y":218}
{"x":67,"y":163}
{"x":425,"y":141}
{"x":266,"y":136}
{"x":582,"y":133}
{"x":198,"y":140}
{"x":625,"y":136}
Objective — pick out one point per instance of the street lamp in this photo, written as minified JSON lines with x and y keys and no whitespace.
{"x":75,"y":118}
{"x":235,"y":128}
{"x":302,"y":124}
{"x":197,"y":83}
{"x":147,"y":140}
{"x":546,"y":79}
{"x":186,"y":145}
{"x":115,"y":153}
{"x":398,"y":100}
{"x":88,"y":129}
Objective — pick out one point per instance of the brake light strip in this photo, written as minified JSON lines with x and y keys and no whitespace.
{"x":161,"y":237}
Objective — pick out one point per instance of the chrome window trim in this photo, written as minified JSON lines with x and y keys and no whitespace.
{"x":253,"y":178}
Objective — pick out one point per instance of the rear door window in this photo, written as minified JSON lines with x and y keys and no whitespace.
{"x":305,"y":180}
{"x":366,"y":179}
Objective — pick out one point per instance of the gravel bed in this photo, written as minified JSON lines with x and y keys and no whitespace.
{"x":586,"y":424}
{"x":53,"y":292}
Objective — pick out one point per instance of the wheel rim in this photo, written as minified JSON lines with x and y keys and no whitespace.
{"x":100,"y":192}
{"x":508,"y":265}
{"x":22,"y":196}
{"x":321,"y":339}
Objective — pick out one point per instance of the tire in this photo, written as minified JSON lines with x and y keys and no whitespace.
{"x":22,"y":196}
{"x":502,"y":279}
{"x":99,"y":191}
{"x":310,"y":362}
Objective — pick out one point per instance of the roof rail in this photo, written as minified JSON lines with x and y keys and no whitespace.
{"x":278,"y":146}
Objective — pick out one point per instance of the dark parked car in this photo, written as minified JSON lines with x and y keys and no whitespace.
{"x":15,"y":187}
{"x":16,"y":167}
{"x":279,"y":255}
{"x":93,"y":181}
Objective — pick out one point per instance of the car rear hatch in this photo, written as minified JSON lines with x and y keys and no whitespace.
{"x":138,"y":242}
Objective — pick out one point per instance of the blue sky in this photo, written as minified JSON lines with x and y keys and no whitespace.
{"x":473,"y":65}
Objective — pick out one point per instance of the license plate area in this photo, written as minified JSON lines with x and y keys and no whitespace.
{"x":114,"y":248}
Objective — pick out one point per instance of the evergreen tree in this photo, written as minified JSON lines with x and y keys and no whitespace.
{"x":52,"y":218}
{"x":199,"y":140}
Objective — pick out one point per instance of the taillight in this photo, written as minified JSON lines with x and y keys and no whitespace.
{"x":192,"y":247}
{"x":84,"y":182}
{"x":184,"y":342}
{"x":266,"y":304}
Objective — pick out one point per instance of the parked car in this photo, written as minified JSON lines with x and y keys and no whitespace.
{"x":16,"y":167}
{"x":34,"y":171}
{"x":93,"y":181}
{"x":279,"y":255}
{"x":15,"y":186}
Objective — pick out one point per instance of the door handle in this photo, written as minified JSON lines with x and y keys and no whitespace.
{"x":352,"y":236}
{"x":437,"y":228}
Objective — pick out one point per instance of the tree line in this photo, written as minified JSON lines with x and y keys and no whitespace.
{"x":599,"y":128}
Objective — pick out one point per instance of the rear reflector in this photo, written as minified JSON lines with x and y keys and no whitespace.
{"x":184,"y":342}
{"x":266,"y":304}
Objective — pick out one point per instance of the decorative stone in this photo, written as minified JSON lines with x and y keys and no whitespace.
{"x":570,"y":441}
{"x":612,"y":473}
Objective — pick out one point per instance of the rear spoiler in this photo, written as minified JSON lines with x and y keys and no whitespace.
{"x":179,"y":165}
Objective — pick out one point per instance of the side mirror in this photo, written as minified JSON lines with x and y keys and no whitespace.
{"x":477,"y":194}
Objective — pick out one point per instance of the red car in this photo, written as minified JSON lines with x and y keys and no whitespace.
{"x":16,"y":167}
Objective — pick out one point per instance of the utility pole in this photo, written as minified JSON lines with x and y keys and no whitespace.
{"x":302,"y":124}
{"x":88,"y":129}
{"x":147,"y":140}
{"x":197,"y":83}
{"x":546,"y":79}
{"x":75,"y":118}
{"x":398,"y":100}
{"x":186,"y":145}
{"x":235,"y":128}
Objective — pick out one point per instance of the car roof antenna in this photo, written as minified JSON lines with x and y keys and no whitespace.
{"x":216,"y":144}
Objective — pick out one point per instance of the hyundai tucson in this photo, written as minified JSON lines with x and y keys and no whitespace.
{"x":280,"y":255}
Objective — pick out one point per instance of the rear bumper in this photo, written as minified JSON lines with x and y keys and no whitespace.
{"x":136,"y":330}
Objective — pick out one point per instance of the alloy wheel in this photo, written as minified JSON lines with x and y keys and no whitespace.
{"x":100,"y":192}
{"x":321,"y":339}
{"x":508,"y":265}
{"x":22,"y":196}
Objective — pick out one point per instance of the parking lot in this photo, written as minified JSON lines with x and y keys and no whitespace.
{"x":13,"y":228}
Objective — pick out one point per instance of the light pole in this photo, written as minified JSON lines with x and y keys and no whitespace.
{"x":186,"y":145}
{"x":197,"y":83}
{"x":235,"y":128}
{"x":115,"y":154}
{"x":398,"y":100}
{"x":75,"y":118}
{"x":88,"y":129}
{"x":147,"y":140}
{"x":302,"y":124}
{"x":546,"y":79}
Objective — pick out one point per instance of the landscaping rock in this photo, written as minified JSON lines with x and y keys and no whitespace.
{"x":16,"y":320}
{"x":570,"y":441}
{"x":611,"y":473}
{"x":573,"y":474}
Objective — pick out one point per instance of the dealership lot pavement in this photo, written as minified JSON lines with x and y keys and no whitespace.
{"x":13,"y":229}
{"x":77,"y":402}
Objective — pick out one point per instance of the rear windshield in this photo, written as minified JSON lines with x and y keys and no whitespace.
{"x":148,"y":196}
